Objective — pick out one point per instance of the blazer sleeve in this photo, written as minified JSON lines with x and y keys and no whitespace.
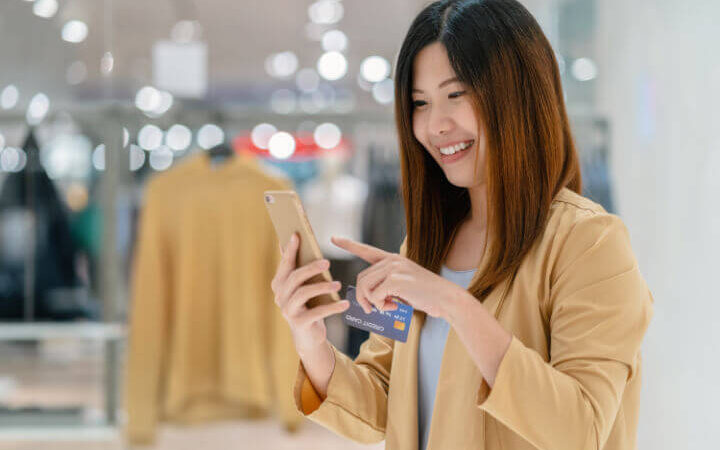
{"x":599,"y":308}
{"x":357,"y":394}
{"x":148,"y":326}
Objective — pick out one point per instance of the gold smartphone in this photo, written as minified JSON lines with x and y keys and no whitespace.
{"x":288,"y":216}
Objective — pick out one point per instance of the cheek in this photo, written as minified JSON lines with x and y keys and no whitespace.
{"x":419,"y":129}
{"x":467,"y":119}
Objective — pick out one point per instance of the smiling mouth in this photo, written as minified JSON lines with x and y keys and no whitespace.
{"x":457,"y":148}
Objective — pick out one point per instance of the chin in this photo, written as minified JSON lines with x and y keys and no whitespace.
{"x":460,"y":181}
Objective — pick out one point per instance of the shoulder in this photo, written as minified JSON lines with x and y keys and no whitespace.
{"x":579,"y":232}
{"x":263,"y":175}
{"x":572,"y":215}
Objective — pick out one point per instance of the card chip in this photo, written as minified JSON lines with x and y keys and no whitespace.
{"x":399,"y":325}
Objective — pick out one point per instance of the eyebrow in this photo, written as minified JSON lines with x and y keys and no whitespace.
{"x":448,"y":81}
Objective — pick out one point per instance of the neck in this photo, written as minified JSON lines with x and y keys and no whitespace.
{"x":478,"y":207}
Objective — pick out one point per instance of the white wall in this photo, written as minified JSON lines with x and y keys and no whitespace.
{"x":659,"y":83}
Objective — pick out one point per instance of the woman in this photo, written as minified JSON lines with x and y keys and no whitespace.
{"x":529,"y":305}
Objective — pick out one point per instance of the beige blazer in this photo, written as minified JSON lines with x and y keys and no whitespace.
{"x":578,"y":309}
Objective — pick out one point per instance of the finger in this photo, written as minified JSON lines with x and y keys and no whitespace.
{"x":361,"y":291}
{"x":391,"y":304}
{"x":307,"y":292}
{"x":362,"y":299}
{"x":364,"y":251}
{"x":320,"y":312}
{"x":382,"y":295}
{"x":364,"y":287}
{"x":300,"y":276}
{"x":372,"y":278}
{"x":368,"y":272}
{"x":289,"y":258}
{"x":378,"y":273}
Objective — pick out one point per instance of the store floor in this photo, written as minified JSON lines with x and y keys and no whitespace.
{"x":60,"y":373}
{"x":222,"y":436}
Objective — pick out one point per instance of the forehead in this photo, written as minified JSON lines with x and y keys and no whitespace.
{"x":431,"y":66}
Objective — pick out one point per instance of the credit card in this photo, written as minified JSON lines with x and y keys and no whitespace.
{"x":392,"y":324}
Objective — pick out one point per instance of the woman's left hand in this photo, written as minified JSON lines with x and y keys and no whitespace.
{"x":393,"y":275}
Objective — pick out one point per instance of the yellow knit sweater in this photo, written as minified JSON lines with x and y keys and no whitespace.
{"x":206,"y":340}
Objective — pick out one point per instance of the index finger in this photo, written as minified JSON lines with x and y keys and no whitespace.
{"x":289,"y":257}
{"x":364,"y":251}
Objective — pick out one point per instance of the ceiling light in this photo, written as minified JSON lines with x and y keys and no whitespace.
{"x":9,"y":97}
{"x":148,"y":98}
{"x":37,"y":109}
{"x":137,"y":157}
{"x":326,"y":11}
{"x":375,"y":68}
{"x":107,"y":63}
{"x":98,"y":157}
{"x":209,"y":136}
{"x":584,"y":69}
{"x":281,"y":65}
{"x":74,"y":31}
{"x":281,"y":145}
{"x":332,"y":66}
{"x":161,"y":159}
{"x":384,"y":91}
{"x":150,"y":137}
{"x":327,"y":135}
{"x":178,"y":137}
{"x":334,"y":40}
{"x":45,"y":8}
{"x":261,"y":135}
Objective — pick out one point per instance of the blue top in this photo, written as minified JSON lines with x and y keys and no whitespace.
{"x":430,"y":352}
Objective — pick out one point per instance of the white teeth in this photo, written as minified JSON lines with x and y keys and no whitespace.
{"x":455,"y":148}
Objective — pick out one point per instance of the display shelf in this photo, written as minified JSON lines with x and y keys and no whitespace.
{"x":113,"y":336}
{"x":73,"y":433}
{"x":14,"y":331}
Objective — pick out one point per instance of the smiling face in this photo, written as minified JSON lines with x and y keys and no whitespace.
{"x":444,"y":120}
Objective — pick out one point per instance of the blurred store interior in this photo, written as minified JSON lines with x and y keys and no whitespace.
{"x":137,"y":135}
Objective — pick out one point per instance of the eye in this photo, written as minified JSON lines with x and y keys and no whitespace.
{"x":418,"y":103}
{"x":456,"y":94}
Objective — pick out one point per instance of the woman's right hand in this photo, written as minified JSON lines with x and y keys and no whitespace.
{"x":291,"y":295}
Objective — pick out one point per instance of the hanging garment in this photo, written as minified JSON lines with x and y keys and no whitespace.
{"x":35,"y":236}
{"x":384,"y":215}
{"x":206,"y":338}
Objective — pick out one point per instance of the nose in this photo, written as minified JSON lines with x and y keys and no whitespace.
{"x":440,"y":122}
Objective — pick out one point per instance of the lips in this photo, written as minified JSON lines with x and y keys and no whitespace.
{"x":447,"y":159}
{"x":454,"y":144}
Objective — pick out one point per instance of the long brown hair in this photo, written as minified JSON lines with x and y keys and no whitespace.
{"x":497,"y":49}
